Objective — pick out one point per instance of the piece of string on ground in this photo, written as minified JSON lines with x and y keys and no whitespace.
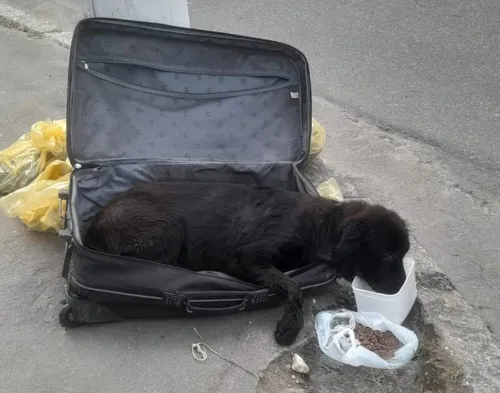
{"x":199,"y":351}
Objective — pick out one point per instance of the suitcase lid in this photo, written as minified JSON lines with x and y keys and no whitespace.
{"x":146,"y":91}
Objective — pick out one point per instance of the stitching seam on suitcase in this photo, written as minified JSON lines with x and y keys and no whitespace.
{"x":270,"y":294}
{"x":184,"y":296}
{"x":120,"y":82}
{"x":175,"y":161}
{"x":244,"y":296}
{"x":114,"y":292}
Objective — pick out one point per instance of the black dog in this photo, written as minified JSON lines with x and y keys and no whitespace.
{"x":254,"y":234}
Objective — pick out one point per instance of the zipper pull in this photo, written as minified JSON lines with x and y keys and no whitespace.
{"x":85,"y":65}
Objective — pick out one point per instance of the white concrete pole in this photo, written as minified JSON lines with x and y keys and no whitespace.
{"x":170,"y":12}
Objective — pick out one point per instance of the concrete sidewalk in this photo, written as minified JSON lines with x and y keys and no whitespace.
{"x":36,"y":355}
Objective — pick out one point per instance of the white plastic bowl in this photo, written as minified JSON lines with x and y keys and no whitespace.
{"x":394,"y":307}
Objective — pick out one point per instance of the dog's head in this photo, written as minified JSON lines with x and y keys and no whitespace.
{"x":372,"y":242}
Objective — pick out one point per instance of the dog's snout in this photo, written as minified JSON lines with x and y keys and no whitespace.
{"x":390,"y":284}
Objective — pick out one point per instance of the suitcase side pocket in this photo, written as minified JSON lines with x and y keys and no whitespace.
{"x":270,"y":82}
{"x":207,"y":305}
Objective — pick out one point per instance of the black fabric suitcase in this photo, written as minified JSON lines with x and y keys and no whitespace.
{"x":153,"y":102}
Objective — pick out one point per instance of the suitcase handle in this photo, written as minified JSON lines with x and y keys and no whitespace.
{"x":255,"y":297}
{"x":237,"y":307}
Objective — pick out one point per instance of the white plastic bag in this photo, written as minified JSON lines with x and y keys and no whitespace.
{"x":335,"y":331}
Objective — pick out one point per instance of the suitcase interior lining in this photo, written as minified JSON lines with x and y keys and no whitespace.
{"x":93,"y":188}
{"x":156,"y":94}
{"x":253,"y":125}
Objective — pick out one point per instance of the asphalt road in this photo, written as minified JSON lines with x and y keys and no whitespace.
{"x":427,"y":68}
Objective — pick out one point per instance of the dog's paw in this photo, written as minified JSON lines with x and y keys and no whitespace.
{"x":288,"y":329}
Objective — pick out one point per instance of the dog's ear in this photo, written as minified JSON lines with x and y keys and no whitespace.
{"x":353,"y":236}
{"x":379,"y":239}
{"x":388,"y":236}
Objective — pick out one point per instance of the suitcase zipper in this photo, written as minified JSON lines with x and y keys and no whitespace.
{"x":120,"y":82}
{"x":198,"y":71}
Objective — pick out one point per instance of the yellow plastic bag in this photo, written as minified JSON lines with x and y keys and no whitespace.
{"x":318,"y":139}
{"x":330,"y":189}
{"x":37,"y":205}
{"x":50,"y":137}
{"x":18,"y":165}
{"x":21,"y":162}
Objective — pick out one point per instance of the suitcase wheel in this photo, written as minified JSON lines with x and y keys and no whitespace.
{"x":66,"y":317}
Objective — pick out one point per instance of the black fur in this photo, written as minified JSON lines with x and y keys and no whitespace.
{"x":255,"y":234}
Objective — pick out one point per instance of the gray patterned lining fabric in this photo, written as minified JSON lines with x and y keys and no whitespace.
{"x":185,"y":97}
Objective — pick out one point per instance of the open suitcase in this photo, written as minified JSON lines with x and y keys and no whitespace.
{"x":153,"y":102}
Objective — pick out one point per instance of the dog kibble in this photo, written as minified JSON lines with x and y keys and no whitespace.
{"x":384,"y":344}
